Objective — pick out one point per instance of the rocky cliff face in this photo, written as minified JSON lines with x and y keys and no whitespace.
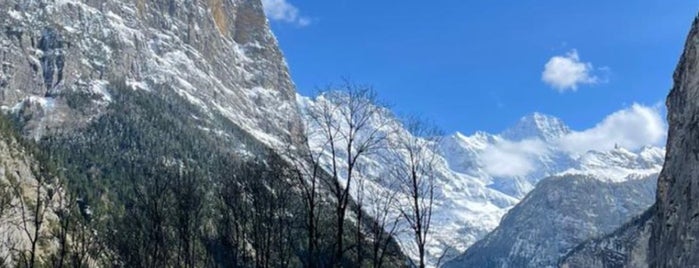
{"x":674,"y":240}
{"x":666,"y":235}
{"x":60,"y":60}
{"x":626,"y":247}
{"x":160,"y":114}
{"x":24,"y":199}
{"x":560,"y":213}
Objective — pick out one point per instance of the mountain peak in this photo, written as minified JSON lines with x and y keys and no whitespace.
{"x":537,"y":125}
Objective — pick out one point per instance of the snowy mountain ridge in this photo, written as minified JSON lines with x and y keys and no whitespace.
{"x":480,"y":177}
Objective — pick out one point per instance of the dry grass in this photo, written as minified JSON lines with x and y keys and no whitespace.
{"x":219,"y":13}
{"x":140,"y":7}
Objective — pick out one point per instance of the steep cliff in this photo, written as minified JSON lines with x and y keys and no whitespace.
{"x":31,"y":201}
{"x":173,"y":121}
{"x":666,"y":235}
{"x":674,"y":240}
{"x":625,"y":247}
{"x":60,"y":59}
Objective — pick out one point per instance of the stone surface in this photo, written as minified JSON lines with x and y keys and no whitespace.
{"x":666,"y":235}
{"x":626,"y":247}
{"x":220,"y":55}
{"x":560,"y":213}
{"x":675,"y":236}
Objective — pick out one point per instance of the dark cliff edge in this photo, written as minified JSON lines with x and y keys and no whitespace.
{"x":625,"y":247}
{"x":668,"y":234}
{"x":674,"y":241}
{"x":560,"y":213}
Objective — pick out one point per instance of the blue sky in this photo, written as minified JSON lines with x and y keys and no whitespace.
{"x":478,"y":65}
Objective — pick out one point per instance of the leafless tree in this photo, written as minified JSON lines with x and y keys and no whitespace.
{"x":307,"y":176}
{"x":64,"y":210}
{"x":33,"y":207}
{"x":382,"y":203}
{"x":189,"y":198}
{"x":350,"y":126}
{"x":359,"y":214}
{"x":6,"y":205}
{"x":415,"y":160}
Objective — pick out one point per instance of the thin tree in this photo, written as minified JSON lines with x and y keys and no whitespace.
{"x":350,"y":126}
{"x":307,"y":176}
{"x":189,"y":200}
{"x":382,"y":204}
{"x":65,"y":212}
{"x":33,"y":207}
{"x":415,"y":160}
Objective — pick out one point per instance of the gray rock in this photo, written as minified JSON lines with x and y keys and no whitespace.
{"x":626,"y":247}
{"x":220,"y":55}
{"x":675,"y":236}
{"x":560,"y":213}
{"x":666,"y":235}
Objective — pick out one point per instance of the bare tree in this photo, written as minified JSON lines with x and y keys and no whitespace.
{"x":189,"y":198}
{"x":350,"y":126}
{"x":308,"y":174}
{"x":415,"y":160}
{"x":381,"y":203}
{"x":33,"y":207}
{"x":359,"y":214}
{"x":64,"y":211}
{"x":6,"y":206}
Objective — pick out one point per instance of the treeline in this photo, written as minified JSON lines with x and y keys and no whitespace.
{"x":149,"y":184}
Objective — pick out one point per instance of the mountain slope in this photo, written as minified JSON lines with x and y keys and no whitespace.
{"x":32,"y":202}
{"x":557,"y":215}
{"x":174,"y":121}
{"x":665,"y":236}
{"x":625,"y":247}
{"x":60,"y":56}
{"x":478,"y":179}
{"x":673,"y":242}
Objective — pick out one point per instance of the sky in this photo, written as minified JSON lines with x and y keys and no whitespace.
{"x":482,"y":65}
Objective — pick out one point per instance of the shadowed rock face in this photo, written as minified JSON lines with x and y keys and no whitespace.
{"x":560,"y":213}
{"x":675,"y":237}
{"x":666,"y":235}
{"x":220,"y":55}
{"x":626,"y":247}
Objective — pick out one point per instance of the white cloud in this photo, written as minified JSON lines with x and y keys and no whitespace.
{"x":281,"y":10}
{"x":567,"y":72}
{"x":630,"y":128}
{"x":511,"y":159}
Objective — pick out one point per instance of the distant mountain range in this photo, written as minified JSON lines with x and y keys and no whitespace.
{"x":482,"y":176}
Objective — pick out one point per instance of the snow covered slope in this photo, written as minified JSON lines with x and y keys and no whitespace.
{"x":61,"y":59}
{"x":560,"y":213}
{"x":480,"y":177}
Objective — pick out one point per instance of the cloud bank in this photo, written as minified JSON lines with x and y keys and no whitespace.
{"x":567,"y":72}
{"x":630,"y":128}
{"x":511,"y":159}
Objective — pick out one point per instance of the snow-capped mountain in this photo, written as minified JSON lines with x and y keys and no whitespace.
{"x":560,"y":213}
{"x":124,"y":95}
{"x":220,"y":56}
{"x":480,"y":177}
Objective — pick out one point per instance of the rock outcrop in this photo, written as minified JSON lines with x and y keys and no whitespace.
{"x":626,"y":247}
{"x":666,"y":235}
{"x":675,"y":238}
{"x":560,"y":213}
{"x":61,"y":59}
